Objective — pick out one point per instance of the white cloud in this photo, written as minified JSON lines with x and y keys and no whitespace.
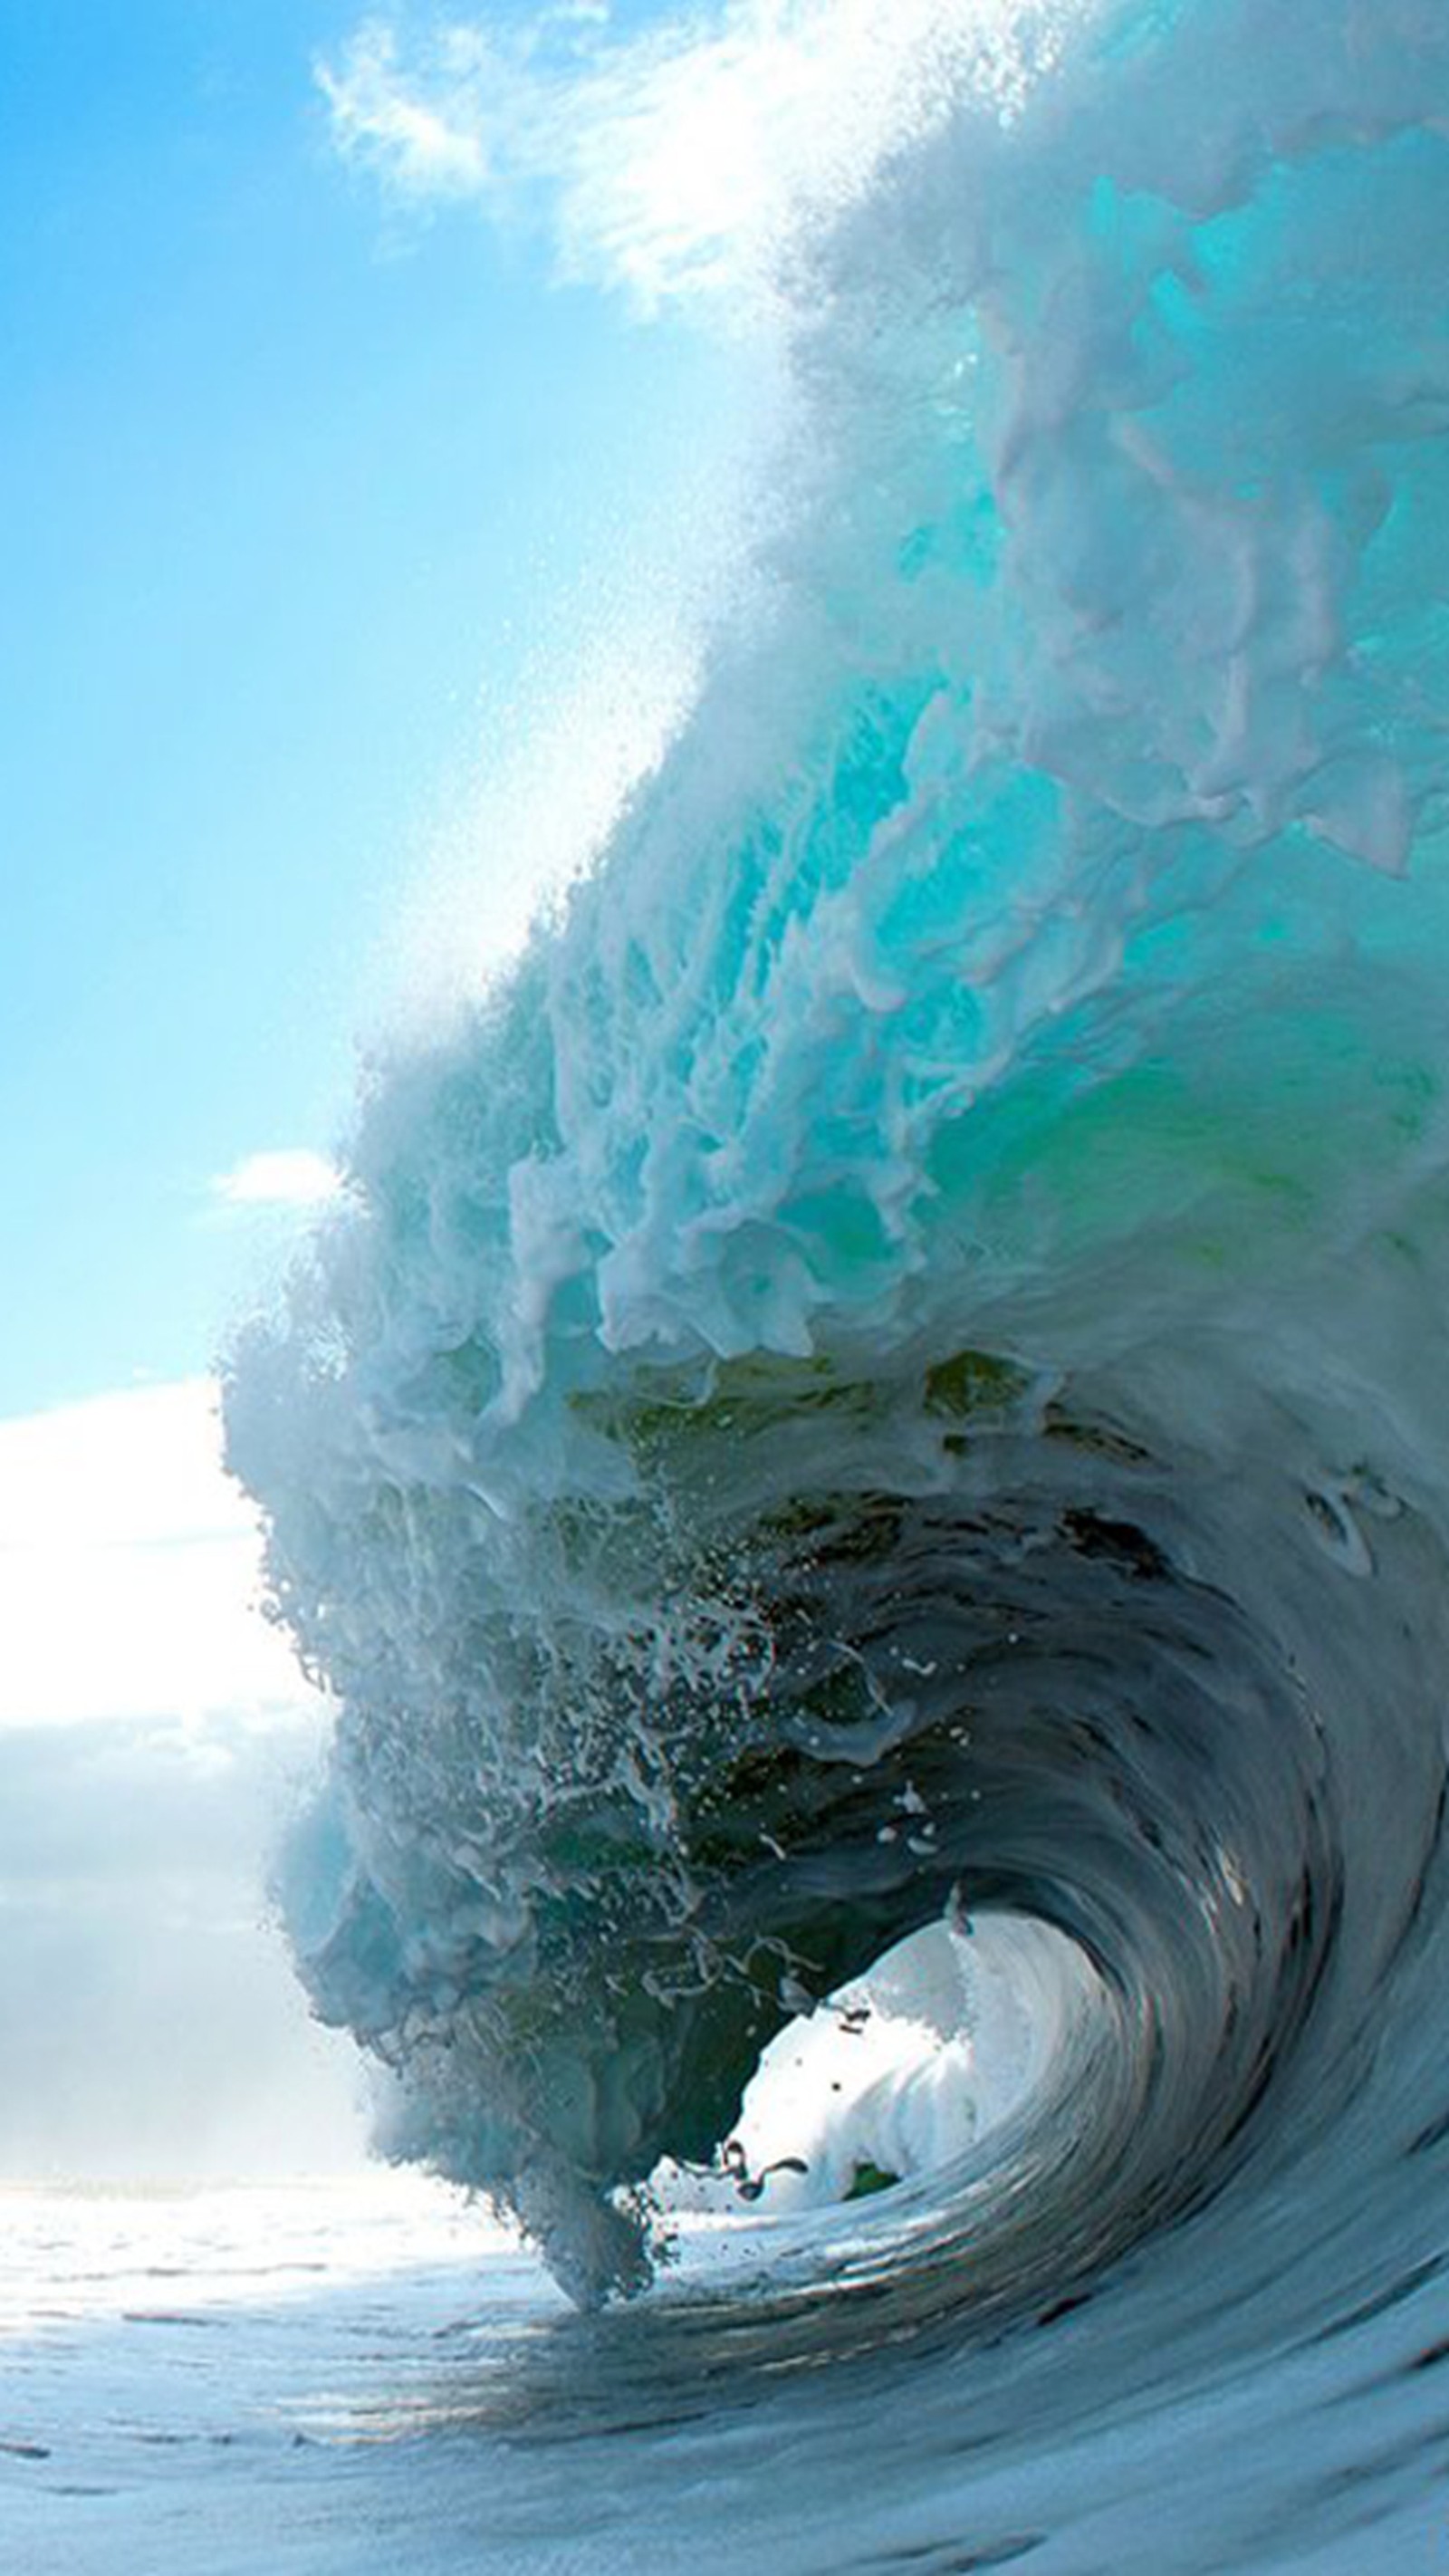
{"x":682,"y":159}
{"x":130,"y":1567}
{"x":426,"y":149}
{"x":287,"y":1176}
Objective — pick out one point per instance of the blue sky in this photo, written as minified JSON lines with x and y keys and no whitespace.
{"x":291,"y":481}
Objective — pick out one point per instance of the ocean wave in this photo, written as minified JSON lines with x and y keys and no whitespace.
{"x":926,"y":1282}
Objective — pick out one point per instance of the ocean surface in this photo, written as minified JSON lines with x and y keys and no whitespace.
{"x":888,"y":1379}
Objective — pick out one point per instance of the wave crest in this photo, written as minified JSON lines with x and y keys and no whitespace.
{"x":927,"y":1276}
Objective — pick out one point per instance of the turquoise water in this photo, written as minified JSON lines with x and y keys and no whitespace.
{"x":930,"y":1275}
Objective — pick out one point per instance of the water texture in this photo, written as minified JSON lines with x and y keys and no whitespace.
{"x":894,"y":1367}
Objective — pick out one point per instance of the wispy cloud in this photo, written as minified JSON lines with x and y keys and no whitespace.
{"x":287,"y":1176}
{"x":428,"y":149}
{"x":684,"y":159}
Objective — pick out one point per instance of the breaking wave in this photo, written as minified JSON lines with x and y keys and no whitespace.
{"x":894,"y":1368}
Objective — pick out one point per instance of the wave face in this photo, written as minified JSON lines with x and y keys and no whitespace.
{"x":924,"y":1292}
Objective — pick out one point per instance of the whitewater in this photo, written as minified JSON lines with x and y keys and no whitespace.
{"x":887,"y":1379}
